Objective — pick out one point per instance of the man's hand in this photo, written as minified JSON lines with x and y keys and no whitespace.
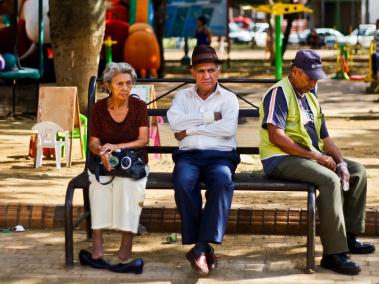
{"x":217,"y":116}
{"x":344,"y":175}
{"x":326,"y":161}
{"x":180,"y":135}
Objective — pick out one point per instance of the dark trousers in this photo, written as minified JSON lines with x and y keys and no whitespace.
{"x":215,"y":169}
{"x":375,"y":64}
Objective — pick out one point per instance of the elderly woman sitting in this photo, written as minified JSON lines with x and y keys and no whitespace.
{"x":117,"y":122}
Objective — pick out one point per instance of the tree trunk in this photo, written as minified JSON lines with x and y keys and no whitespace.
{"x":77,"y":31}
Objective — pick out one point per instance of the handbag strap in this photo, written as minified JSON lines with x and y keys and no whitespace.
{"x":97,"y":173}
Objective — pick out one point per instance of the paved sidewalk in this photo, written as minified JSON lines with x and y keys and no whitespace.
{"x":38,"y":257}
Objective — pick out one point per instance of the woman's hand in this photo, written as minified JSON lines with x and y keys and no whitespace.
{"x":105,"y":151}
{"x":108,"y":148}
{"x":105,"y":161}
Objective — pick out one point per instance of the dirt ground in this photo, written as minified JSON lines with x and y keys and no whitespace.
{"x":352,"y":119}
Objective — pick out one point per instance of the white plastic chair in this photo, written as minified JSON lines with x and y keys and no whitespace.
{"x":47,"y":138}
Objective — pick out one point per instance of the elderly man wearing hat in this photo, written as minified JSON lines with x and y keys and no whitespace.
{"x":204,"y":119}
{"x":295,"y":145}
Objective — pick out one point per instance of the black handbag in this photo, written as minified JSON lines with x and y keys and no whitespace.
{"x":125,"y":163}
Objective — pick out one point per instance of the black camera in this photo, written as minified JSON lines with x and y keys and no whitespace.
{"x":128,"y":163}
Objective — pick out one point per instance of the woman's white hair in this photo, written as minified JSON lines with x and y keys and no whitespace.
{"x":112,"y":69}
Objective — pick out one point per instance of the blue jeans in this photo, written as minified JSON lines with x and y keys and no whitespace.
{"x":215,"y":169}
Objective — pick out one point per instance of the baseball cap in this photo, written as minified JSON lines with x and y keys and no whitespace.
{"x":309,"y":61}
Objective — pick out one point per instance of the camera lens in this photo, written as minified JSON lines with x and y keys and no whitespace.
{"x":113,"y":161}
{"x":126,"y":162}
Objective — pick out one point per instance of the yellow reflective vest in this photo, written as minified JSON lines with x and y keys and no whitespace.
{"x":294,"y":123}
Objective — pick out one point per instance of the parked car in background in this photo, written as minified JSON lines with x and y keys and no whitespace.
{"x":258,"y":27}
{"x":363,"y":35}
{"x":294,"y":38}
{"x":328,"y":36}
{"x":243,"y":22}
{"x":260,"y":35}
{"x":238,"y":35}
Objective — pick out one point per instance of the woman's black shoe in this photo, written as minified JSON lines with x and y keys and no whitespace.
{"x":340,"y":263}
{"x":85,"y":258}
{"x":135,"y":266}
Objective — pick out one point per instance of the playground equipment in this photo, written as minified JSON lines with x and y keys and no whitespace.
{"x":345,"y":61}
{"x":27,"y":31}
{"x":2,"y":63}
{"x":136,"y":43}
{"x":28,"y":13}
{"x":108,"y":48}
{"x":118,"y":11}
{"x":278,"y":10}
{"x":117,"y":30}
{"x":10,"y":62}
{"x":5,"y":21}
{"x":141,"y":49}
{"x":7,"y":38}
{"x":140,"y":11}
{"x":20,"y":73}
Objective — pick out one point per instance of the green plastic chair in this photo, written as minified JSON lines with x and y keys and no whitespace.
{"x":22,"y":73}
{"x":76,"y":134}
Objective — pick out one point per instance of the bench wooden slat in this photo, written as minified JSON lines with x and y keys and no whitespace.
{"x":242,"y":181}
{"x":171,"y":149}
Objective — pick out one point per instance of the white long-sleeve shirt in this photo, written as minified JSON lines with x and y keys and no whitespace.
{"x":191,"y":113}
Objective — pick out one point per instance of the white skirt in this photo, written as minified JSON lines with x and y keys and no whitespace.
{"x":117,"y":205}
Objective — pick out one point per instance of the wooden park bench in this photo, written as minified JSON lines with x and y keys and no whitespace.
{"x":162,"y":180}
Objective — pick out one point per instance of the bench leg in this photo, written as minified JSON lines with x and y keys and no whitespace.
{"x":87,"y":208}
{"x":68,"y":226}
{"x":310,"y":268}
